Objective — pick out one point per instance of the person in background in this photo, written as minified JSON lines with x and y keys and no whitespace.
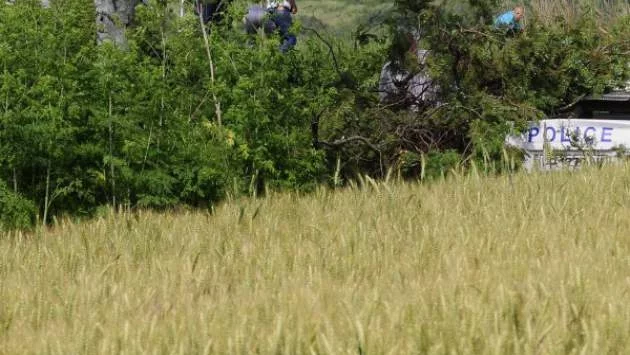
{"x":257,"y":16}
{"x":510,"y":20}
{"x":281,"y":16}
{"x":210,"y":10}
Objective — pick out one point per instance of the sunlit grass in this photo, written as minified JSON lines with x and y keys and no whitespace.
{"x":549,"y":11}
{"x":341,"y":17}
{"x":532,"y":264}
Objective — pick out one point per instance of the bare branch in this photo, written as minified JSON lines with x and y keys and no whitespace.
{"x":570,"y":105}
{"x":217,"y":103}
{"x":339,"y":142}
{"x":330,"y":48}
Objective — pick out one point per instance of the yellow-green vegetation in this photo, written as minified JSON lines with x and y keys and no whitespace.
{"x":341,"y":17}
{"x":548,"y":11}
{"x":524,"y":264}
{"x":344,"y":15}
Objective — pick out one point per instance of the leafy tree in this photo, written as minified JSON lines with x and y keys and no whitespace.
{"x":15,"y":210}
{"x":489,"y":81}
{"x":177,"y":116}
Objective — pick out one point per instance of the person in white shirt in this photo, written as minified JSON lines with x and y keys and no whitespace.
{"x":288,"y":5}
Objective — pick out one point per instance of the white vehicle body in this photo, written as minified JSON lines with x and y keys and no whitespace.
{"x":603,"y":134}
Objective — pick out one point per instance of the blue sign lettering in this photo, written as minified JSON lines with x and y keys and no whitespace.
{"x":606,"y":134}
{"x":552,"y":138}
{"x":566,"y":134}
{"x":533,"y":132}
{"x":587,"y":133}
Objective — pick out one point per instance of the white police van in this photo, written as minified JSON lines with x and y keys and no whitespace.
{"x":596,"y":130}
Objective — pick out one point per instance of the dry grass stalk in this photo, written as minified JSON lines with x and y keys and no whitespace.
{"x":532,"y":264}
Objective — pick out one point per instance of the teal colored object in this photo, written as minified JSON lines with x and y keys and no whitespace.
{"x":507,"y":20}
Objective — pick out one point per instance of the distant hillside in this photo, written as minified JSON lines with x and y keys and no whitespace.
{"x":343,"y":16}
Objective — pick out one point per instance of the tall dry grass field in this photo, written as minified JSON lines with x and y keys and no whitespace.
{"x":343,"y":16}
{"x":605,"y":11}
{"x":527,"y":264}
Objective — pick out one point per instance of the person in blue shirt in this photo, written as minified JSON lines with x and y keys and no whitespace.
{"x":510,"y":20}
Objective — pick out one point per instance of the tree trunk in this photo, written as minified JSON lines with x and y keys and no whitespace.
{"x":111,"y":152}
{"x":15,"y":185}
{"x":217,"y":103}
{"x":47,"y":195}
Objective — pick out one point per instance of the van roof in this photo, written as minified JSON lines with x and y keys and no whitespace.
{"x":618,"y":95}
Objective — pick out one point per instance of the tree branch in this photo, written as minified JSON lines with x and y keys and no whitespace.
{"x":217,"y":103}
{"x":330,"y":48}
{"x":339,"y":142}
{"x":573,"y":103}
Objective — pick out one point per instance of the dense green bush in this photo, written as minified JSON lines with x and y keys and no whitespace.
{"x":167,"y":121}
{"x":15,"y":210}
{"x":83,"y":125}
{"x":489,"y":81}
